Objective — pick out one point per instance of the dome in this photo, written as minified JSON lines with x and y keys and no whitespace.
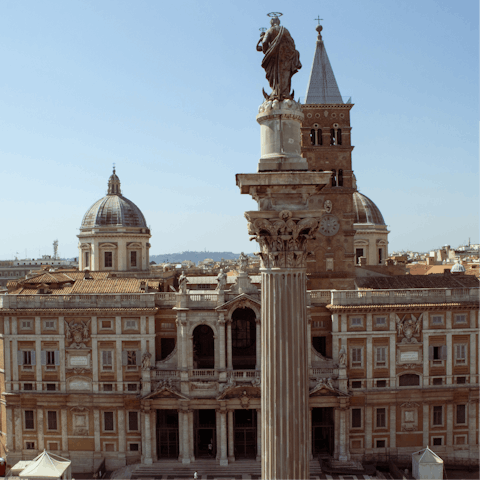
{"x":113,"y":209}
{"x":366,"y":211}
{"x":458,"y":268}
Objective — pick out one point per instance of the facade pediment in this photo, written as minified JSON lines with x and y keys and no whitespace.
{"x":240,"y":391}
{"x":165,"y":389}
{"x":242,"y":301}
{"x":326,"y":389}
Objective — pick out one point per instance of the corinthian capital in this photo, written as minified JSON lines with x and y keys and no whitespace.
{"x":282,"y":239}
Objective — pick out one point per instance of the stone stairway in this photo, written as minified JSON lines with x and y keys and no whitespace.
{"x":208,"y":469}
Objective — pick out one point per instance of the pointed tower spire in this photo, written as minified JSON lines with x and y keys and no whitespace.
{"x":322,"y":86}
{"x":114,"y":184}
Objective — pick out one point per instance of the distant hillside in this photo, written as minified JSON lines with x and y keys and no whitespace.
{"x":194,"y":256}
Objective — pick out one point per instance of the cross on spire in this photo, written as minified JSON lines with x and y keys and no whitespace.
{"x":318,"y":19}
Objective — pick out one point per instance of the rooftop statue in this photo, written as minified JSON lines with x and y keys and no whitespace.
{"x":281,"y":60}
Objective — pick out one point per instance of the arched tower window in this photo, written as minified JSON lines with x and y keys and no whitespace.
{"x":332,"y":136}
{"x":312,"y":136}
{"x":339,"y":136}
{"x":316,"y":136}
{"x":340,"y":178}
{"x":334,"y":178}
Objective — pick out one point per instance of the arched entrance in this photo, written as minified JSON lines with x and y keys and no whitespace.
{"x":243,"y":339}
{"x":203,"y":347}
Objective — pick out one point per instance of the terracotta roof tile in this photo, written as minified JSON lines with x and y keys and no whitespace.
{"x":417,"y":281}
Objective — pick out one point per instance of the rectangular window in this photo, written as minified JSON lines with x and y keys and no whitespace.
{"x":29,"y":420}
{"x":381,"y":418}
{"x":357,"y":357}
{"x":131,"y":325}
{"x":381,"y":383}
{"x":87,"y":260}
{"x":358,"y":254}
{"x":380,"y":443}
{"x":108,"y":422}
{"x":461,"y":380}
{"x":460,"y":354}
{"x":356,"y":322}
{"x":437,"y":381}
{"x":381,"y":357}
{"x":108,"y":259}
{"x":132,"y":387}
{"x":106,"y":324}
{"x":356,"y":384}
{"x":28,"y":386}
{"x":134,"y":447}
{"x":131,"y":357}
{"x":380,"y":321}
{"x":50,"y":357}
{"x":437,"y":320}
{"x":380,"y":255}
{"x":438,"y":416}
{"x":132,"y":421}
{"x":27,"y":357}
{"x":133,"y":259}
{"x":30,"y":445}
{"x":437,"y":441}
{"x":26,"y":325}
{"x":52,"y":420}
{"x":437,"y":353}
{"x":356,"y":418}
{"x":49,"y":325}
{"x":461,"y":417}
{"x":107,"y":360}
{"x":107,"y":387}
{"x":460,"y":319}
{"x":51,"y":387}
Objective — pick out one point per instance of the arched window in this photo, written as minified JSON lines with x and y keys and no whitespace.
{"x":340,"y":178}
{"x":332,"y":136}
{"x":312,"y":136}
{"x":319,"y":137}
{"x":203,"y":347}
{"x":339,"y":136}
{"x":334,"y":178}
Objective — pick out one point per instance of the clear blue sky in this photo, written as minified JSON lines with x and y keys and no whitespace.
{"x":169,"y":92}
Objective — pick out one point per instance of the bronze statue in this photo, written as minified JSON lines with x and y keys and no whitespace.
{"x":281,"y":60}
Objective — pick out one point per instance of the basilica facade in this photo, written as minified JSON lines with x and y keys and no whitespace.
{"x":109,"y":363}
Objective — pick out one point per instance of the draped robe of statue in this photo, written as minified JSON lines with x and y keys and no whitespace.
{"x":281,"y":61}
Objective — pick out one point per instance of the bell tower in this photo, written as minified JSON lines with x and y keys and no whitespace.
{"x":326,"y":145}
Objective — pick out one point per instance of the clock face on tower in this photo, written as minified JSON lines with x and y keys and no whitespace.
{"x":329,"y":225}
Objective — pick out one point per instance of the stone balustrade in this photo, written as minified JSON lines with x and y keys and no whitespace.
{"x":404,"y":296}
{"x":209,"y":300}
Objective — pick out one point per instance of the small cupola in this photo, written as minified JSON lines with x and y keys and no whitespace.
{"x":114,"y":184}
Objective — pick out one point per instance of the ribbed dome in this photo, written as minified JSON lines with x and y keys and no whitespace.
{"x":113,"y":209}
{"x":366,"y":211}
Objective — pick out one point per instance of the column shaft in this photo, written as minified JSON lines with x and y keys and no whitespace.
{"x":259,"y":435}
{"x":223,"y":438}
{"x":229,"y":346}
{"x":284,"y":374}
{"x":258,"y":339}
{"x":231,"y":446}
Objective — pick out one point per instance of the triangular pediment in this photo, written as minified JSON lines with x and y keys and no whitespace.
{"x":325,"y":390}
{"x":166,"y":392}
{"x":240,"y":300}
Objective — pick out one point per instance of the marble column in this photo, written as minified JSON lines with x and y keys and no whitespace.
{"x":221,"y":335}
{"x":180,"y":435}
{"x":191,"y":436}
{"x":231,"y":445}
{"x":344,"y":454}
{"x":283,"y":183}
{"x":185,"y":438}
{"x":10,"y":429}
{"x":259,"y":435}
{"x":223,"y":438}
{"x":147,"y":447}
{"x":309,"y":344}
{"x":284,"y":374}
{"x":258,"y":340}
{"x":229,"y":345}
{"x":121,"y":431}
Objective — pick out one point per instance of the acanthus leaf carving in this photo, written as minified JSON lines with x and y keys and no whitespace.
{"x":283,"y":240}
